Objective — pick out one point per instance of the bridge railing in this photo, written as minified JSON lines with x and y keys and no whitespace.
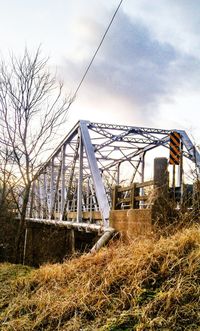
{"x":130,"y":196}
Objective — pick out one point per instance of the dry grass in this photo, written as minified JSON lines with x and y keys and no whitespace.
{"x":149,"y":284}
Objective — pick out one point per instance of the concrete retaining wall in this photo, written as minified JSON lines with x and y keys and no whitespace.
{"x":131,"y":222}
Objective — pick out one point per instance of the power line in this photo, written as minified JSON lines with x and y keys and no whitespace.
{"x":99,"y":46}
{"x":91,"y":61}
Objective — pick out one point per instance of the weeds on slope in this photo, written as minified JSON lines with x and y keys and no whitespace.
{"x":148,"y":284}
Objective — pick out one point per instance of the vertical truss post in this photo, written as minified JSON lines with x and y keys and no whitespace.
{"x":70,"y":181}
{"x":62,"y":181}
{"x":143,"y":167}
{"x":88,"y":196}
{"x":32,"y":197}
{"x":98,"y":183}
{"x":105,"y":146}
{"x":118,"y":173}
{"x":56,"y":191}
{"x":38,"y":200}
{"x":181,"y":171}
{"x":142,"y":179}
{"x":94,"y":200}
{"x":52,"y":189}
{"x":80,"y":181}
{"x":174,"y":181}
{"x":44,"y":197}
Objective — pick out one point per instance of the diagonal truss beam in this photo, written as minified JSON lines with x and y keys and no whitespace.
{"x":86,"y":163}
{"x":98,"y":183}
{"x":191,"y":149}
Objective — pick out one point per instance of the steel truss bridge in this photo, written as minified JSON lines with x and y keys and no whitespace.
{"x":74,"y":186}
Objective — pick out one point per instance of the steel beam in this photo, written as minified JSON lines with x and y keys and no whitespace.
{"x":52,"y":193}
{"x":98,"y":183}
{"x":63,"y":190}
{"x":70,"y":179}
{"x":194,"y":155}
{"x":80,"y":180}
{"x":72,"y":225}
{"x":100,"y":148}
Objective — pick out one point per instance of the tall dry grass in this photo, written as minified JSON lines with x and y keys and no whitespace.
{"x":149,"y":284}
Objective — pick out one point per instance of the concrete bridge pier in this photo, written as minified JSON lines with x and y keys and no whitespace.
{"x":45,"y":243}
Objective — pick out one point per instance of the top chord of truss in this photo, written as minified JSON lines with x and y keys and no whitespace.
{"x":79,"y":174}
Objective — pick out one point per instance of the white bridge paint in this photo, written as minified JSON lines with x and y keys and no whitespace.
{"x":85,"y":163}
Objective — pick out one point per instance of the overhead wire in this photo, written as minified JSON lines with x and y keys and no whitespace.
{"x":91,"y":61}
{"x":97,"y":50}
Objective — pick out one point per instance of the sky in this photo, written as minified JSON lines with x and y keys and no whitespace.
{"x":147,"y":72}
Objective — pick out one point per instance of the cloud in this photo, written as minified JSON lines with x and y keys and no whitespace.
{"x":176,"y":22}
{"x":134,"y":66}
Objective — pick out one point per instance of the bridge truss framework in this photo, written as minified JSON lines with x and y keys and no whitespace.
{"x":78,"y":177}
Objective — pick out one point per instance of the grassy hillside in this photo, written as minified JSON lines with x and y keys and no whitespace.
{"x":145,"y":285}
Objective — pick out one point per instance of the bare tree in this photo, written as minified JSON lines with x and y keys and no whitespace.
{"x":32,"y":107}
{"x":7,"y":180}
